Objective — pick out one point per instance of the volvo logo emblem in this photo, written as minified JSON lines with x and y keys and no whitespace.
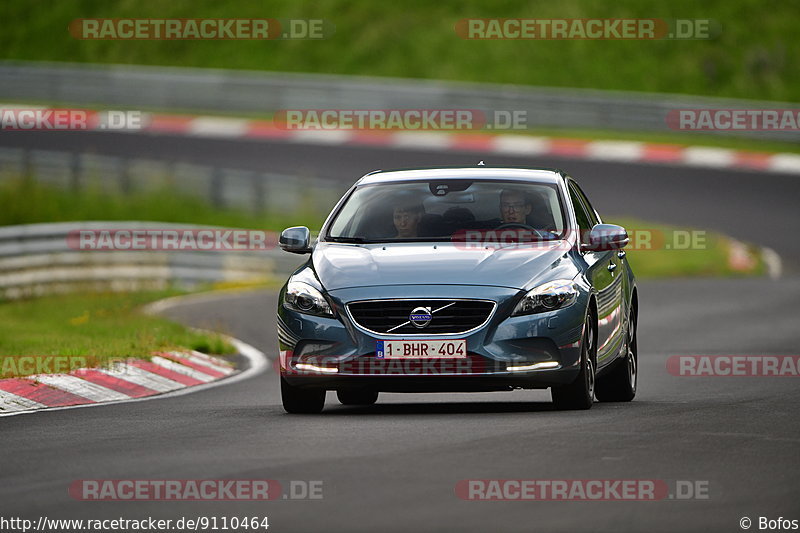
{"x":420,"y":317}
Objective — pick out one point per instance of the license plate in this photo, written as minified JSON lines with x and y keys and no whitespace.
{"x":422,"y":349}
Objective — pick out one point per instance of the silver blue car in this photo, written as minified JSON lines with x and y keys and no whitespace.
{"x":459,"y":280}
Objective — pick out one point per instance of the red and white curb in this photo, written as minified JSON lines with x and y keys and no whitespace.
{"x":743,"y":258}
{"x":487,"y":143}
{"x":165,"y":374}
{"x":482,"y":142}
{"x":134,"y":378}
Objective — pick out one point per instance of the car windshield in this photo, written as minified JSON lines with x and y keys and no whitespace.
{"x":444,"y":210}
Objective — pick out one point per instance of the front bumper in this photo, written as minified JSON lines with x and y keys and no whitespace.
{"x":532,"y":351}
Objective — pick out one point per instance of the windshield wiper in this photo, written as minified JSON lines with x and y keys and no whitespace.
{"x":351,"y":240}
{"x":443,"y":238}
{"x":362,"y":240}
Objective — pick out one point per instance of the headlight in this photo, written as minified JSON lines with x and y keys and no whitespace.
{"x":302,"y":297}
{"x":547,"y":297}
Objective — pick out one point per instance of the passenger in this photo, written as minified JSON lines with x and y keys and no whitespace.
{"x":406,"y":219}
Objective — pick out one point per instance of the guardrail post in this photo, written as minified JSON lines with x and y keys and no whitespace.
{"x":26,"y":165}
{"x":75,"y":171}
{"x":258,"y":193}
{"x":217,"y":185}
{"x":124,"y":175}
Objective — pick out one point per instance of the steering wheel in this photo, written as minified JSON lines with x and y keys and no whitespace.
{"x":543,"y":235}
{"x":508,"y":225}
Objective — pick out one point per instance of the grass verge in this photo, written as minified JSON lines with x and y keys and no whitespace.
{"x":665,"y":251}
{"x":90,"y":329}
{"x":750,"y":53}
{"x":26,"y":201}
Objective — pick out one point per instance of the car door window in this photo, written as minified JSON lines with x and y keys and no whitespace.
{"x":582,"y":217}
{"x":593,"y":217}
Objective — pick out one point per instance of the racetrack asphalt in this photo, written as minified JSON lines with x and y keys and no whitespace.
{"x":394,"y":466}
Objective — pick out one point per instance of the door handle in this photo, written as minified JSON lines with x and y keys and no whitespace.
{"x":612,"y":267}
{"x":621,"y":254}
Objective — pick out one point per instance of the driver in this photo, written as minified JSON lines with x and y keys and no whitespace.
{"x":514,"y":207}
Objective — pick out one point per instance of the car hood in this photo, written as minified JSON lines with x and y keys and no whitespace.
{"x":340,"y":266}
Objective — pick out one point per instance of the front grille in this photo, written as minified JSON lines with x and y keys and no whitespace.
{"x":455,"y":316}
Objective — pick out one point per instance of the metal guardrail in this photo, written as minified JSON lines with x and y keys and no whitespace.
{"x":37,"y":259}
{"x":174,"y":88}
{"x":257,"y":192}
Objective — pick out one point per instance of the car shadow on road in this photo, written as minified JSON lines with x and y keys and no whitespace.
{"x":440,"y":408}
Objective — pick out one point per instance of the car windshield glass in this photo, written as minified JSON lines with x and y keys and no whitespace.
{"x":445,"y":210}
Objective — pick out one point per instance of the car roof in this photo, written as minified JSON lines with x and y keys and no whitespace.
{"x":547,"y":175}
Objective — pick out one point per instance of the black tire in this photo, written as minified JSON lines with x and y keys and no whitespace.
{"x":357,"y":396}
{"x":619,"y":384}
{"x":301,"y":401}
{"x":580,"y":393}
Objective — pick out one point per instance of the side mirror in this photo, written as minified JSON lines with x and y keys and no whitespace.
{"x":295,"y":240}
{"x":606,"y":237}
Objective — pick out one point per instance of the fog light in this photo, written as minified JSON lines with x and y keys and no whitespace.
{"x":315,"y":368}
{"x":534,"y":366}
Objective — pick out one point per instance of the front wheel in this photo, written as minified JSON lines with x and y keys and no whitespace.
{"x":619,"y":385}
{"x":580,"y":393}
{"x":301,"y":401}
